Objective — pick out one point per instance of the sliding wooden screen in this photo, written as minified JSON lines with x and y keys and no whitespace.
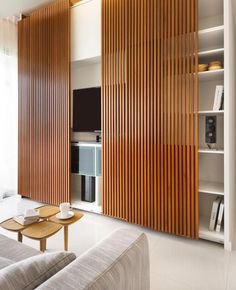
{"x":150,"y":104}
{"x":44,"y":102}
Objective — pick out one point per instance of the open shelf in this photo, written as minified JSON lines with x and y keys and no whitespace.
{"x":209,"y":112}
{"x":211,"y":30}
{"x":211,"y":75}
{"x":210,"y":151}
{"x":211,"y":52}
{"x":211,"y":187}
{"x":205,"y":234}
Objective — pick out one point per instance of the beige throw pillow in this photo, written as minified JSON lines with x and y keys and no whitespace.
{"x":32,"y":272}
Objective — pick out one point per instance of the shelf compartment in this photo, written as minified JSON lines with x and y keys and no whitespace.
{"x":209,"y":55}
{"x":210,"y":12}
{"x":211,"y":151}
{"x":211,"y":187}
{"x":205,"y":234}
{"x":211,"y":38}
{"x":211,"y":75}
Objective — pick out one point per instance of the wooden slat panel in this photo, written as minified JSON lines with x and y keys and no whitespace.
{"x":48,"y":77}
{"x":23,"y":110}
{"x":149,"y":120}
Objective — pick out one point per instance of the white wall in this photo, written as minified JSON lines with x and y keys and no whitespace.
{"x":86,"y":30}
{"x":230,"y":123}
{"x":8,"y":107}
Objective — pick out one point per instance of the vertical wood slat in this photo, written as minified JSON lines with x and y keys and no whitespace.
{"x":23,"y":111}
{"x":48,"y":108}
{"x":150,"y":139}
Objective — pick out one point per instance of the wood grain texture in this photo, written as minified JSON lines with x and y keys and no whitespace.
{"x":73,"y":2}
{"x":41,"y":230}
{"x":150,"y":139}
{"x":44,"y":102}
{"x":23,"y":107}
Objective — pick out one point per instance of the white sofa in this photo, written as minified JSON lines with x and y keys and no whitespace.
{"x":120,"y":262}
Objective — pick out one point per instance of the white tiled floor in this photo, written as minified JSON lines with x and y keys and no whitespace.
{"x":176,"y":263}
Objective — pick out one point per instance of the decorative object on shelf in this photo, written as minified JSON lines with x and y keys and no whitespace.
{"x":202,"y":67}
{"x":214,"y":213}
{"x":219,"y":98}
{"x":215,"y":65}
{"x":98,"y":138}
{"x":210,"y":131}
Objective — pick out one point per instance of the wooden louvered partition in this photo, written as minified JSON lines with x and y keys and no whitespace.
{"x":24,"y":107}
{"x":44,"y":102}
{"x":150,"y":104}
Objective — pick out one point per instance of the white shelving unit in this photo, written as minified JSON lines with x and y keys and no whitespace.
{"x":211,"y":47}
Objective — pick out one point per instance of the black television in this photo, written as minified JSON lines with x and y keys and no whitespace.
{"x":87,"y":110}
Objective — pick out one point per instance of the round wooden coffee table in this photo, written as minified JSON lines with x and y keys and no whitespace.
{"x":65,"y":223}
{"x":41,"y":231}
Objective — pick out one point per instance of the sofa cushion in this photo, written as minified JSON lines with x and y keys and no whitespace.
{"x":4,"y":262}
{"x":30,"y":273}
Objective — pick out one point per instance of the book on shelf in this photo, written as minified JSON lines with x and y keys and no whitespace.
{"x":220,"y":217}
{"x":214,"y":213}
{"x":219,"y":98}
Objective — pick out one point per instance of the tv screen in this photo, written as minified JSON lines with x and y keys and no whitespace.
{"x":87,"y":110}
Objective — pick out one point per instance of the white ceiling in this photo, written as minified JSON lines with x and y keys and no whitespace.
{"x":15,"y":7}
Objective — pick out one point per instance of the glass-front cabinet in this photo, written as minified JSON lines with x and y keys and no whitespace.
{"x":86,"y":158}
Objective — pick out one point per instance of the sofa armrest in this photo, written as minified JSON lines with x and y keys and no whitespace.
{"x":119,"y":262}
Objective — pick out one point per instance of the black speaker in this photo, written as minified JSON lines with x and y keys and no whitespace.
{"x":74,"y":157}
{"x":88,"y":188}
{"x":210,"y":129}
